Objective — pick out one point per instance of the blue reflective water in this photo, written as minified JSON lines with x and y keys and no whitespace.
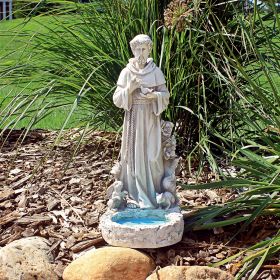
{"x":141,"y":221}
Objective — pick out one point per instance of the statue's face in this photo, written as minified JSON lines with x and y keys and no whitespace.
{"x":141,"y":53}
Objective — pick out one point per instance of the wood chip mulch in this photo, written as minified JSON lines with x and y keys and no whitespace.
{"x":44,"y":192}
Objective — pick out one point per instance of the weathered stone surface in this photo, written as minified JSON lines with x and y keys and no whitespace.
{"x":26,"y":259}
{"x":142,"y":235}
{"x":110,"y":263}
{"x":190,"y":273}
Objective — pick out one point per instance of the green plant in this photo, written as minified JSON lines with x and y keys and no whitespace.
{"x":255,"y":256}
{"x":76,"y":65}
{"x":257,"y":137}
{"x":77,"y":62}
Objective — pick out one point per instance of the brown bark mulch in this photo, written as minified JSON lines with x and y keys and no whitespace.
{"x":44,"y":192}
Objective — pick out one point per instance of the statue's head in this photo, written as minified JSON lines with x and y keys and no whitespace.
{"x":141,"y":46}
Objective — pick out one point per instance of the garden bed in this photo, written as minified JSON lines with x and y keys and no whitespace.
{"x":42,"y":196}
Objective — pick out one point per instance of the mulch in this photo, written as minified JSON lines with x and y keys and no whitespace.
{"x":45,"y":192}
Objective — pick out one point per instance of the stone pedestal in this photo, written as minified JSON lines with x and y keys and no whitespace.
{"x":142,"y":228}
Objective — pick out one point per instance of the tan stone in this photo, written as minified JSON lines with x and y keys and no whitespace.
{"x":190,"y":273}
{"x":26,"y":259}
{"x":110,"y":263}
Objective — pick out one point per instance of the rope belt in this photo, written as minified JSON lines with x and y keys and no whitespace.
{"x":141,"y":101}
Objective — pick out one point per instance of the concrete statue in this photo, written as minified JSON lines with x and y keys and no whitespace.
{"x":143,"y":195}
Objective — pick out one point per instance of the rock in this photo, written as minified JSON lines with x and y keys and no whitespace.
{"x":190,"y":272}
{"x":110,"y":263}
{"x":26,"y":259}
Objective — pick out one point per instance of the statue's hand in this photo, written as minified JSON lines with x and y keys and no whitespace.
{"x":145,"y":90}
{"x":134,"y":84}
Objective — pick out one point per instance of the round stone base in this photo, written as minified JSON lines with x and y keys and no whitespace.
{"x":142,"y":228}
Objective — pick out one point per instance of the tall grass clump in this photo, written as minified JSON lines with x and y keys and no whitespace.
{"x":209,"y":49}
{"x":257,"y":140}
{"x":75,"y":66}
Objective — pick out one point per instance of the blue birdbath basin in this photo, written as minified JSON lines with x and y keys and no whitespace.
{"x":142,"y":228}
{"x":132,"y":221}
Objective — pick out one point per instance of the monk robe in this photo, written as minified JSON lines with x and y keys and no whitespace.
{"x":142,"y":167}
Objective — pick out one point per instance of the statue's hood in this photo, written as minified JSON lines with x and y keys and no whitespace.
{"x":150,"y":66}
